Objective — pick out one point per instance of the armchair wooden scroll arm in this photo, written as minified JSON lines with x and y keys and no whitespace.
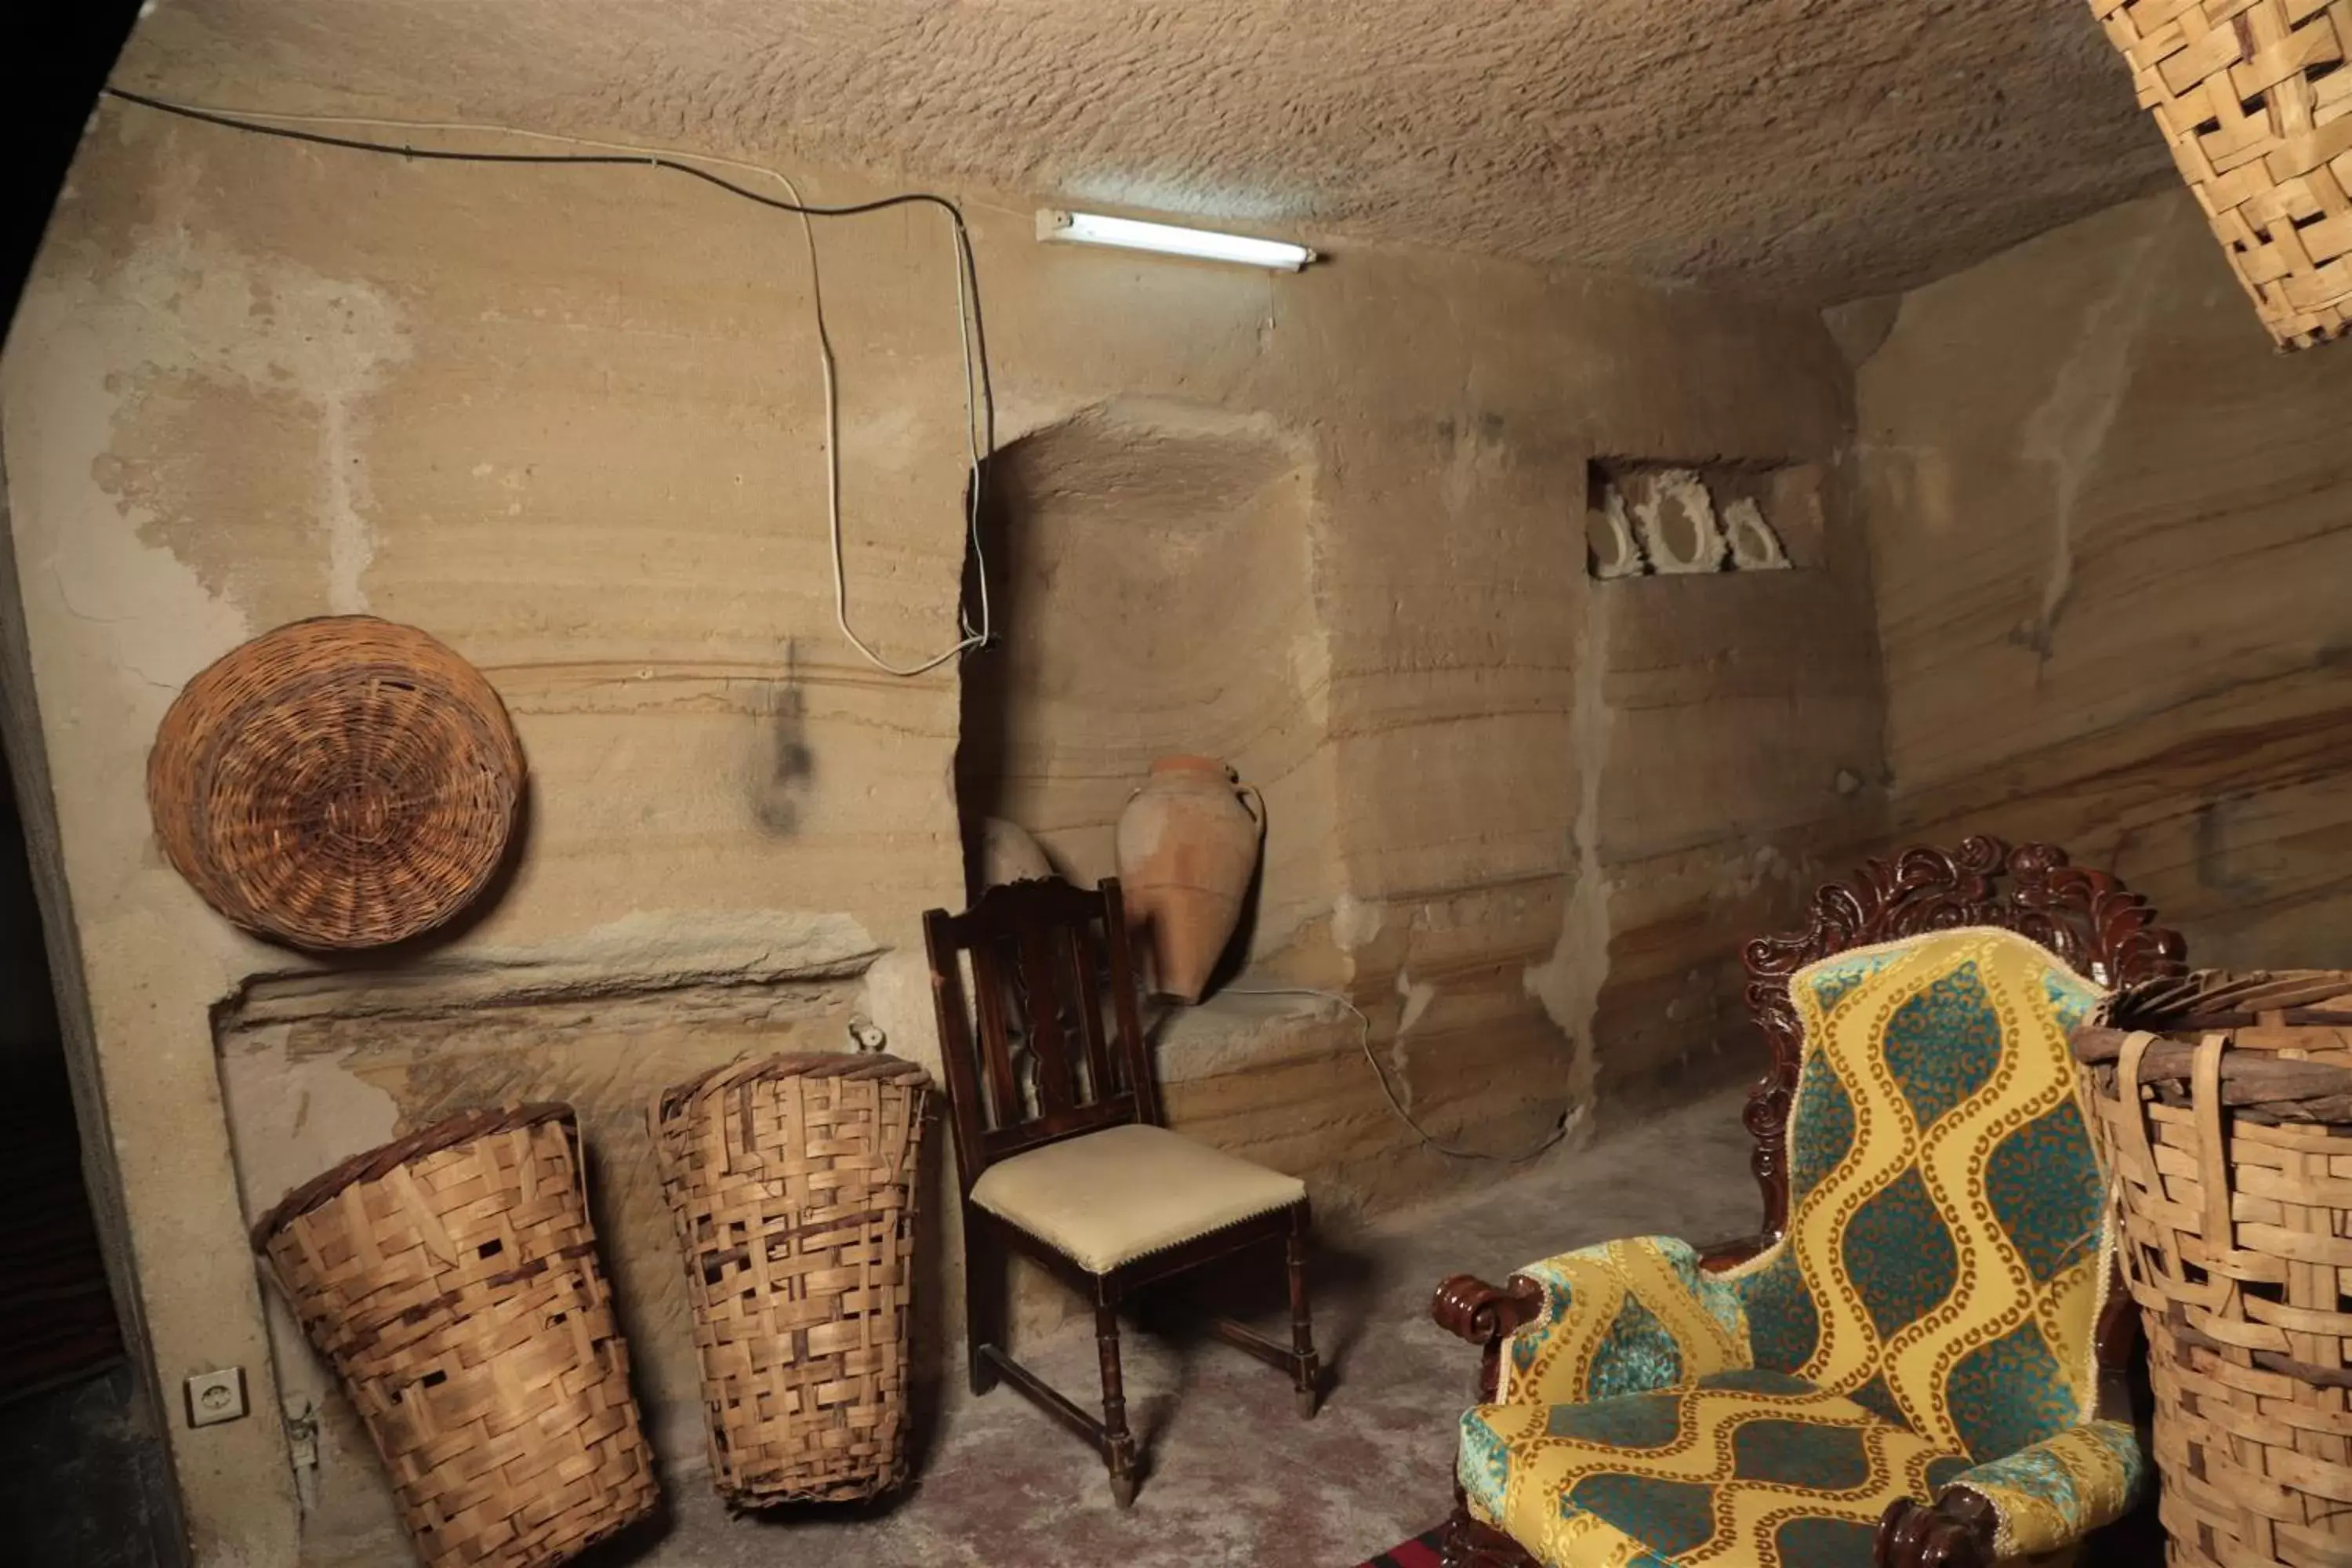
{"x":1469,"y":1309}
{"x":1956,"y":1531}
{"x":1486,"y":1315}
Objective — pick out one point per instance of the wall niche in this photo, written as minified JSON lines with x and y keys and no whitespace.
{"x":1650,"y":518}
{"x":1150,"y":572}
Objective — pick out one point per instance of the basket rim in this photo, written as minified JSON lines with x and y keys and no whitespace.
{"x":381,"y":1160}
{"x":393,"y":631}
{"x":860,"y":1066}
{"x":2225,"y":998}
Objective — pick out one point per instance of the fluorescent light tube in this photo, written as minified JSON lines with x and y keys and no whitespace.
{"x":1169,"y":239}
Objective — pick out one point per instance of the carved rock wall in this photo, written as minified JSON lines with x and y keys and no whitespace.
{"x":2111,"y":530}
{"x":1154,"y":568}
{"x":571,"y":422}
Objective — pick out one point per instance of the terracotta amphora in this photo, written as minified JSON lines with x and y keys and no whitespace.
{"x":1187,"y":845}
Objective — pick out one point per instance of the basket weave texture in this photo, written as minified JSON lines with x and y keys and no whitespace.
{"x":2255,"y":104}
{"x":451,"y":1278}
{"x":791,"y":1182}
{"x":337,"y":783}
{"x":2225,"y":1107}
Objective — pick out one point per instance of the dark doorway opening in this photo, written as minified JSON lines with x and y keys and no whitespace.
{"x":84,"y":1476}
{"x":83,"y":1473}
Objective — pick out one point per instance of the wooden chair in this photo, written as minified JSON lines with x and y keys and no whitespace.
{"x":1061,"y":1154}
{"x":2101,"y":930}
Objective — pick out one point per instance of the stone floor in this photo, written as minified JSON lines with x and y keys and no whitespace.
{"x":1234,"y":1476}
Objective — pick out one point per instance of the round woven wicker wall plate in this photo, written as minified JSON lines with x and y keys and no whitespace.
{"x":337,"y":783}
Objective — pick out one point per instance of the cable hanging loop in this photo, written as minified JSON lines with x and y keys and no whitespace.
{"x":980,"y":416}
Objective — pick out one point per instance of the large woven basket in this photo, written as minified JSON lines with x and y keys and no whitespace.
{"x":2225,"y":1107}
{"x":338,"y":782}
{"x":451,"y":1278}
{"x":792,"y":1181}
{"x":2255,"y":104}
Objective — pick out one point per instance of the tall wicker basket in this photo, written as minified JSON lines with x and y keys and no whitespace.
{"x":2254,"y":99}
{"x":2225,"y":1106}
{"x":451,"y":1278}
{"x":792,"y":1181}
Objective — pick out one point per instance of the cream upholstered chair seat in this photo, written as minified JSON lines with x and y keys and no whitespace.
{"x":1126,"y":1192}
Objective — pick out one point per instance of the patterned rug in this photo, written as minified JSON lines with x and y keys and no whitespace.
{"x":1421,"y":1552}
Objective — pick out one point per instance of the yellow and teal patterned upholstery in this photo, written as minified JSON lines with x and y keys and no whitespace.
{"x":1622,"y":1318}
{"x":1927,"y":1321}
{"x":1747,"y":1466}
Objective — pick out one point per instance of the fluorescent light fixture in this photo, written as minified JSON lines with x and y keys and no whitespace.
{"x":1169,"y":239}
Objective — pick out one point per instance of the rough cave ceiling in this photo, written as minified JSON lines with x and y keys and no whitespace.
{"x":1816,"y":149}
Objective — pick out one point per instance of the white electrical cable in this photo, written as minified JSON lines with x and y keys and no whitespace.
{"x":974,"y":636}
{"x":976,"y":434}
{"x":1364,"y":1039}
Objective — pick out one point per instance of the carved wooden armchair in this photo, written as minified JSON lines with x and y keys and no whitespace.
{"x":1916,"y":1363}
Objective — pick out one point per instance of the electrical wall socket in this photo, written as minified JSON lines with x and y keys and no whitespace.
{"x":216,"y":1396}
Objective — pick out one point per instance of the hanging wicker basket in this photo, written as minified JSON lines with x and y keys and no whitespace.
{"x":2255,"y":100}
{"x":338,"y":782}
{"x":792,"y":1181}
{"x":451,"y":1279}
{"x":2225,"y":1104}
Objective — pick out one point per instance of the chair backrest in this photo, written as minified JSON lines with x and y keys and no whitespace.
{"x":2088,"y":917}
{"x":1948,"y":1240}
{"x":1047,"y":1042}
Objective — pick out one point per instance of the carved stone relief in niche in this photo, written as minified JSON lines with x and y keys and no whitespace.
{"x":1660,"y":519}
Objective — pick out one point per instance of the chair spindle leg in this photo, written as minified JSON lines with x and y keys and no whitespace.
{"x":984,"y":1302}
{"x":1306,"y":1371}
{"x":1118,"y":1443}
